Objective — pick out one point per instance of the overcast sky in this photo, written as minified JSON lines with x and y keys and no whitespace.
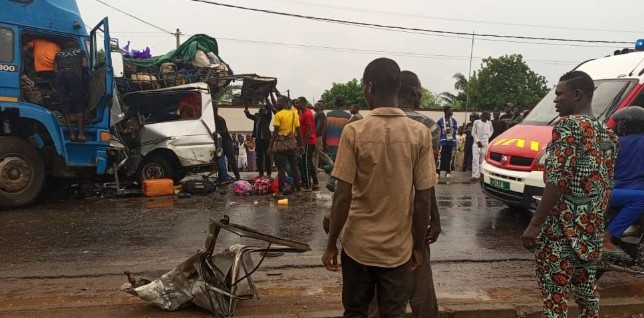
{"x":309,"y":71}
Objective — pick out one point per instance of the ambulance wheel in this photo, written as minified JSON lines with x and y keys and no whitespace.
{"x":22,"y":173}
{"x":154,"y":167}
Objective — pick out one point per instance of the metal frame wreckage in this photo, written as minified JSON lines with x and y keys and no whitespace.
{"x":215,"y":282}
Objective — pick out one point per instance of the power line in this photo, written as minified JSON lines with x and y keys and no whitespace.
{"x":335,"y":7}
{"x":136,"y":18}
{"x":367,"y":51}
{"x":344,"y":49}
{"x":397,"y":28}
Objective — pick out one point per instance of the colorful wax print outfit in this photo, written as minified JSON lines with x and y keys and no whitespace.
{"x":581,"y":161}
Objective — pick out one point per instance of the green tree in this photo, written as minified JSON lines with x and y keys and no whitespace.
{"x":430,"y":100}
{"x":351,"y":91}
{"x":500,"y":80}
{"x":449,"y":99}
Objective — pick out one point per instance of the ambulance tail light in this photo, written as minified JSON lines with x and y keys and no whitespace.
{"x":540,"y":165}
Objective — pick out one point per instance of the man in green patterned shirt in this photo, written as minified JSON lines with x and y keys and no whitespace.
{"x":569,"y":221}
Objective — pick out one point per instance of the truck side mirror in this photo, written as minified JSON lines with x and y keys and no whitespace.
{"x":117,"y":64}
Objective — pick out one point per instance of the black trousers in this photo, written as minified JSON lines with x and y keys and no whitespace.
{"x":307,"y":170}
{"x":359,"y":283}
{"x":467,"y":156}
{"x":423,"y":296}
{"x":446,"y":159}
{"x":263,"y":159}
{"x":281,"y":158}
{"x":227,"y":144}
{"x":70,"y":92}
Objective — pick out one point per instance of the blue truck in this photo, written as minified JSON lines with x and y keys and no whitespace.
{"x":34,"y":141}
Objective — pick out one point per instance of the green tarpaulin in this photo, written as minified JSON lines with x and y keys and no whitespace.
{"x":185,"y":51}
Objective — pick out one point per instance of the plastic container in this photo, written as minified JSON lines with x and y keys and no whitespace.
{"x":158,"y":187}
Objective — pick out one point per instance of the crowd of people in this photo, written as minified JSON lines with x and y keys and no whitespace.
{"x":456,"y":147}
{"x":463,"y":148}
{"x":314,"y":137}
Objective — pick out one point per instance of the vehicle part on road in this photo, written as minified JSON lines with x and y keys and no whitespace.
{"x":22,"y":172}
{"x":215,"y":282}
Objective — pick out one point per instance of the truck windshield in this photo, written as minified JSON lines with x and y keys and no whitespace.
{"x":608,"y":94}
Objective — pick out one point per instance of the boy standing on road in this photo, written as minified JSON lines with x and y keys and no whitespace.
{"x":383,"y":237}
{"x":447,"y":127}
{"x":569,"y":221}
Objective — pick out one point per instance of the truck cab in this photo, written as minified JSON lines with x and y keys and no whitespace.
{"x":514,"y":164}
{"x":34,"y":141}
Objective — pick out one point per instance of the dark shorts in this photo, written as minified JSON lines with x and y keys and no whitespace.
{"x":359,"y":284}
{"x":71,"y":92}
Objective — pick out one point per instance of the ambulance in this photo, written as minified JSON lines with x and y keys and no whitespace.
{"x":513,"y":168}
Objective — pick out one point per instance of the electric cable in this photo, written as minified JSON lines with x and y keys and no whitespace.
{"x":397,"y":28}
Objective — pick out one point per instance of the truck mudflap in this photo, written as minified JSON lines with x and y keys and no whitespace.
{"x":213,"y":282}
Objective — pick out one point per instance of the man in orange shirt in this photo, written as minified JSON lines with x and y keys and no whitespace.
{"x":44,"y":54}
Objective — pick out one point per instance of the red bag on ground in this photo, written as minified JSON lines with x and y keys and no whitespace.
{"x":262,"y":185}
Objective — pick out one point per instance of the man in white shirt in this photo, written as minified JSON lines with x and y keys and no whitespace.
{"x":482,"y":130}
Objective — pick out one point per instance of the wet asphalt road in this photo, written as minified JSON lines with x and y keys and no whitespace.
{"x":108,"y":235}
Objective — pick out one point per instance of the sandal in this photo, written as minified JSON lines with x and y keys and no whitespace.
{"x":81,"y":138}
{"x":72,"y":137}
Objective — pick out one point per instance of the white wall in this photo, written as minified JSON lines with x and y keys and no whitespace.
{"x":237,"y":121}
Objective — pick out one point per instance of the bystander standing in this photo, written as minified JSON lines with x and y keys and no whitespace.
{"x":383,"y":238}
{"x":568,"y":225}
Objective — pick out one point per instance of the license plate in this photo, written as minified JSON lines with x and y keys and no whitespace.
{"x":500,"y":184}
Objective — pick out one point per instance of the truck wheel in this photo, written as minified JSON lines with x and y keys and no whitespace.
{"x":22,"y":173}
{"x":154,"y":167}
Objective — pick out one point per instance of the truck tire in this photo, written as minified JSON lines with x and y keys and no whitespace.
{"x":22,"y":173}
{"x":154,"y":167}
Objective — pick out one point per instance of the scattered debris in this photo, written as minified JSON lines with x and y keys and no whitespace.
{"x":215,"y":282}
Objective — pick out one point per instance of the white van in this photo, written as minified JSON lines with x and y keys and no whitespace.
{"x":166,"y":133}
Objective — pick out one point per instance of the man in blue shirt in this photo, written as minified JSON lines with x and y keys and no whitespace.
{"x":628,"y":192}
{"x":447,"y":127}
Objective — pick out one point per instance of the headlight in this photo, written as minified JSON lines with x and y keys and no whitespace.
{"x":541,"y":161}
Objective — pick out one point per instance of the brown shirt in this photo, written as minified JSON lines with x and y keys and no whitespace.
{"x":385,"y":157}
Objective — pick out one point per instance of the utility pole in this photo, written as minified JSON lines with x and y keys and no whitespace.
{"x":177,"y":36}
{"x":469,"y":77}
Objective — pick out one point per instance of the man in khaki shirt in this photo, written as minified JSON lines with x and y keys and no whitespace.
{"x":383,"y":235}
